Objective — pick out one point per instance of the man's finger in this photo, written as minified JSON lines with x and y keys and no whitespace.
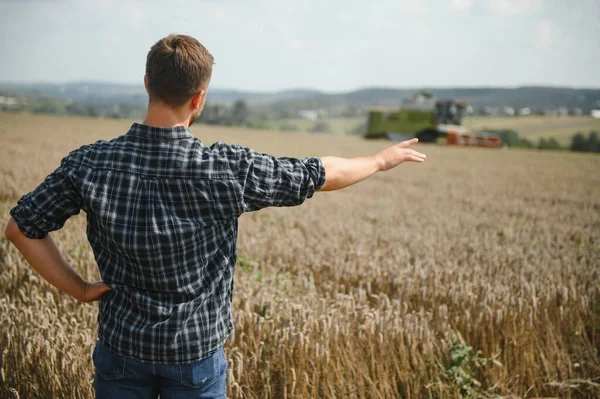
{"x":413,"y":153}
{"x":96,"y":290}
{"x":408,"y":143}
{"x":414,"y":158}
{"x":104,"y":287}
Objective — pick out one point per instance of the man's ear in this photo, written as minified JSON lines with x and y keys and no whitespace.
{"x":146,"y":84}
{"x":197,"y":100}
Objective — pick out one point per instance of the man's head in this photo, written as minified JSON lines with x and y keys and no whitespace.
{"x":178,"y":71}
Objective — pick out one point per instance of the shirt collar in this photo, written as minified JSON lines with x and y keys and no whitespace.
{"x":173,"y":132}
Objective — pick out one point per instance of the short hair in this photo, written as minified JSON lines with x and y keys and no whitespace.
{"x":177,"y":68}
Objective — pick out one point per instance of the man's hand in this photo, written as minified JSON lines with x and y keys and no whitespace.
{"x":344,"y":172}
{"x":93,"y":291}
{"x":397,"y":154}
{"x":45,"y":259}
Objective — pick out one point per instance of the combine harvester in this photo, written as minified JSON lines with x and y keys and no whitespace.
{"x":430,"y":120}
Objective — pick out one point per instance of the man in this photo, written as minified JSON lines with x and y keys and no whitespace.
{"x":162,"y":211}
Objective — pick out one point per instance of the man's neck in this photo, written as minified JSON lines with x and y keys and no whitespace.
{"x":161,"y":116}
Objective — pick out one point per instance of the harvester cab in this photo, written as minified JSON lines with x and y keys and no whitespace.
{"x":450,"y":112}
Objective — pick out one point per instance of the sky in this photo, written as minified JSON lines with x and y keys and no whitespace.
{"x":329,"y":45}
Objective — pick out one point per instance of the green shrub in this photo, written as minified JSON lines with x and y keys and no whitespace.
{"x":462,"y":369}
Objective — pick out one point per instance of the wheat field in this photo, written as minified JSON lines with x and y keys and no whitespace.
{"x":473,"y":275}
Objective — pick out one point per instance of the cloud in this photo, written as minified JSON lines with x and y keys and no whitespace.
{"x":514,"y":7}
{"x":544,"y":33}
{"x":461,"y":5}
{"x":414,"y":6}
{"x":112,"y":38}
{"x":138,"y":17}
{"x":374,"y":23}
{"x":219,"y":13}
{"x":284,"y":28}
{"x":252,"y":27}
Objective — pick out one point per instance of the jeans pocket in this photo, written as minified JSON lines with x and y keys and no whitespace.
{"x":204,"y":372}
{"x":109,"y":365}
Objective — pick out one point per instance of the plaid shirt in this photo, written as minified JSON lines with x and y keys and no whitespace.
{"x":162,"y":210}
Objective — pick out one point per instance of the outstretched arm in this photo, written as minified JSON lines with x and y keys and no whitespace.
{"x":45,"y":259}
{"x":344,"y":172}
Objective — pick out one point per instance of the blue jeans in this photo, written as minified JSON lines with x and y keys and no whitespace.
{"x":124,"y":377}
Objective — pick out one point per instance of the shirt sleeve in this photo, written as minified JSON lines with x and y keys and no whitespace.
{"x":269,"y":181}
{"x":49,"y":205}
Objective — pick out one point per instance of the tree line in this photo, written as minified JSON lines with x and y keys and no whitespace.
{"x":580,"y":142}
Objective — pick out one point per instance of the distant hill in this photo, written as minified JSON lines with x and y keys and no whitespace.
{"x":224,"y":95}
{"x":533,"y":97}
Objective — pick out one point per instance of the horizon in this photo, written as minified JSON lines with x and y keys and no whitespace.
{"x":329,"y":92}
